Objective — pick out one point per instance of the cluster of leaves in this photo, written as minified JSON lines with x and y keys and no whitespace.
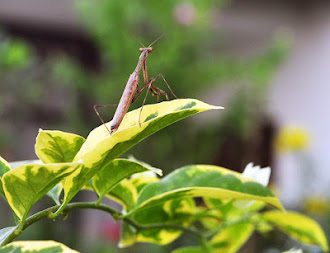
{"x":154,"y":210}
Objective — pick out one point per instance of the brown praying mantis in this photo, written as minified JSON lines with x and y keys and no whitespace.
{"x":132,"y":92}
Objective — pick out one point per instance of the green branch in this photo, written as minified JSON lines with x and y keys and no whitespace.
{"x":47,"y":213}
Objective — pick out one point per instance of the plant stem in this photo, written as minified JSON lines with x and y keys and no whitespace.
{"x":204,"y":244}
{"x":47,"y":213}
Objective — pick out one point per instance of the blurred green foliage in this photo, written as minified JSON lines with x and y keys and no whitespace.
{"x":13,"y":54}
{"x":189,"y":56}
{"x":24,"y":80}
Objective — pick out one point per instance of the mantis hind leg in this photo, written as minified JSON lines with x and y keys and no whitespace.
{"x":161,"y":91}
{"x":139,"y":92}
{"x":148,"y":86}
{"x":155,"y":91}
{"x":98,"y":114}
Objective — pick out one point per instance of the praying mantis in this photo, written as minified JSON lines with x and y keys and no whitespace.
{"x":132,"y":92}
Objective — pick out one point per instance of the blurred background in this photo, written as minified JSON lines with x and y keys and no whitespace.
{"x":266,"y":62}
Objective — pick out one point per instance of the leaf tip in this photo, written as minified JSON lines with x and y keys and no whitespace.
{"x":159,"y":172}
{"x":280,"y":207}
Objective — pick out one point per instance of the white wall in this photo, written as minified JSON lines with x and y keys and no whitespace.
{"x":300,"y":95}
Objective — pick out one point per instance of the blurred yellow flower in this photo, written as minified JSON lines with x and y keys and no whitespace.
{"x":316,"y":205}
{"x":291,"y":139}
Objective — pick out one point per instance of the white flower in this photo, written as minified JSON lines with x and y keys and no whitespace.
{"x":260,"y":175}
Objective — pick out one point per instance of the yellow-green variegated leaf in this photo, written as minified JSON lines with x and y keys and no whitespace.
{"x":26,"y":184}
{"x":35,"y":247}
{"x":140,"y":180}
{"x":204,"y":181}
{"x":128,"y":235}
{"x":101,"y":147}
{"x":55,"y":193}
{"x":73,"y":183}
{"x":153,"y":170}
{"x":57,"y":146}
{"x":4,"y":168}
{"x":125,"y":194}
{"x":299,"y":227}
{"x":232,"y":238}
{"x":113,"y":172}
{"x":176,"y":212}
{"x":233,"y":209}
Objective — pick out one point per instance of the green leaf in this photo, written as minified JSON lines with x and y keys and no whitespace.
{"x":26,"y":184}
{"x":113,"y":172}
{"x":55,"y":193}
{"x":233,"y":209}
{"x":57,"y":146}
{"x":152,"y":169}
{"x":204,"y":181}
{"x":299,"y":227}
{"x":263,"y":227}
{"x":5,"y":232}
{"x":128,"y":235}
{"x":231,"y":239}
{"x":176,"y":212}
{"x":141,"y":180}
{"x":73,"y":183}
{"x":4,"y":168}
{"x":124,"y":193}
{"x":101,"y":147}
{"x":35,"y":247}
